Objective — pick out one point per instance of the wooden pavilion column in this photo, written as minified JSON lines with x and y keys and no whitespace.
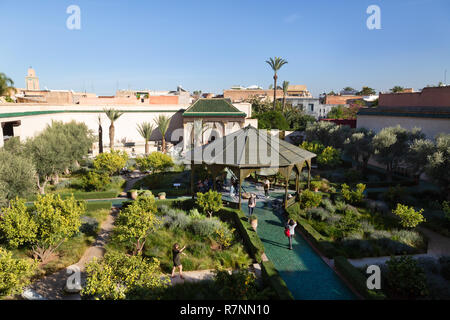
{"x":286,"y":173}
{"x":192,"y":179}
{"x":308,"y":163}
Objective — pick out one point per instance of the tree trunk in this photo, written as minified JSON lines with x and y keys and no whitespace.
{"x":284,"y":101}
{"x":274,"y":90}
{"x":146,"y":147}
{"x":100,"y":139}
{"x":41,"y":187}
{"x":111,"y":136}
{"x":163,"y":144}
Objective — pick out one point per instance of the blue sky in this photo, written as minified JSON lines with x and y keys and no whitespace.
{"x":212,"y":45}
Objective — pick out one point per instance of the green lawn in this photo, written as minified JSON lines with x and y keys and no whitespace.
{"x":163,"y":182}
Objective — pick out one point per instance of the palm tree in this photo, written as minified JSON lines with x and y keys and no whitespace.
{"x":275,"y":63}
{"x":163,"y":124}
{"x":397,"y":89}
{"x":5,"y":84}
{"x":100,"y":134}
{"x":285,"y":89}
{"x":112,"y":115}
{"x":145,"y":129}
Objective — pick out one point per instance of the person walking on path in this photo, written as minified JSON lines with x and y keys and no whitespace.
{"x":266,"y":187}
{"x":176,"y":256}
{"x":291,"y":226}
{"x":251,"y":204}
{"x":231,"y":191}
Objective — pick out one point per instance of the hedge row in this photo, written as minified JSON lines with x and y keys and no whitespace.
{"x":356,"y":279}
{"x":251,"y":240}
{"x":94,"y":206}
{"x":272,"y":277}
{"x":84,"y":195}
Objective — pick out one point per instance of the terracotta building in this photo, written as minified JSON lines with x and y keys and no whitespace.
{"x":428,"y":110}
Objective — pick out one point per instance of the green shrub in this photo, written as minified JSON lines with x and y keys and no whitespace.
{"x":408,"y":237}
{"x":328,"y":205}
{"x":209,"y":202}
{"x":224,"y":235}
{"x":176,"y":219}
{"x":409,"y":218}
{"x":237,"y":285}
{"x":94,"y":181}
{"x":316,"y":185}
{"x":329,"y":157}
{"x":110,"y":162}
{"x":353,"y":196}
{"x":309,"y":199}
{"x":15,"y":274}
{"x":155,"y":162}
{"x":405,"y":278}
{"x":205,"y":227}
{"x":317,"y":214}
{"x":313,"y":146}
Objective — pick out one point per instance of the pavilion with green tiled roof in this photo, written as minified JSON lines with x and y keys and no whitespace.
{"x":215,"y":115}
{"x":213,"y":108}
{"x":249,"y":150}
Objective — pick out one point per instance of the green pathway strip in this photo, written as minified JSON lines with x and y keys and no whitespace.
{"x":305,"y":273}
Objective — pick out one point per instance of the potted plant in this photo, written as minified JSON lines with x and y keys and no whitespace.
{"x":133,"y":194}
{"x":253,"y":221}
{"x":162,"y":195}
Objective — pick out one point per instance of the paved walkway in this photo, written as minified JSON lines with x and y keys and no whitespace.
{"x":305,"y":273}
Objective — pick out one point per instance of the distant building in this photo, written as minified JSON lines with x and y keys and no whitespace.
{"x":240,"y":94}
{"x":341,"y":99}
{"x":428,"y":110}
{"x":311,"y":106}
{"x":31,"y":80}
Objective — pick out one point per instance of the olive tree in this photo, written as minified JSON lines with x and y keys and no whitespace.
{"x":17,"y":176}
{"x":359,"y":146}
{"x":391,"y":145}
{"x":417,"y":156}
{"x":438,"y":166}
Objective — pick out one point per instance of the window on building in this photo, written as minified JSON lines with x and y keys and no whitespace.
{"x":311,"y":106}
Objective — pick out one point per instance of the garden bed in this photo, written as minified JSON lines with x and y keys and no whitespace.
{"x":187,"y":227}
{"x":355,"y":232}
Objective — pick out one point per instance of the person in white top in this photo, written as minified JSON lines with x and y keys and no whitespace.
{"x":266,"y":187}
{"x":291,"y":225}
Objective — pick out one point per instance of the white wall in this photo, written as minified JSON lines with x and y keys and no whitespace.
{"x":430,"y":126}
